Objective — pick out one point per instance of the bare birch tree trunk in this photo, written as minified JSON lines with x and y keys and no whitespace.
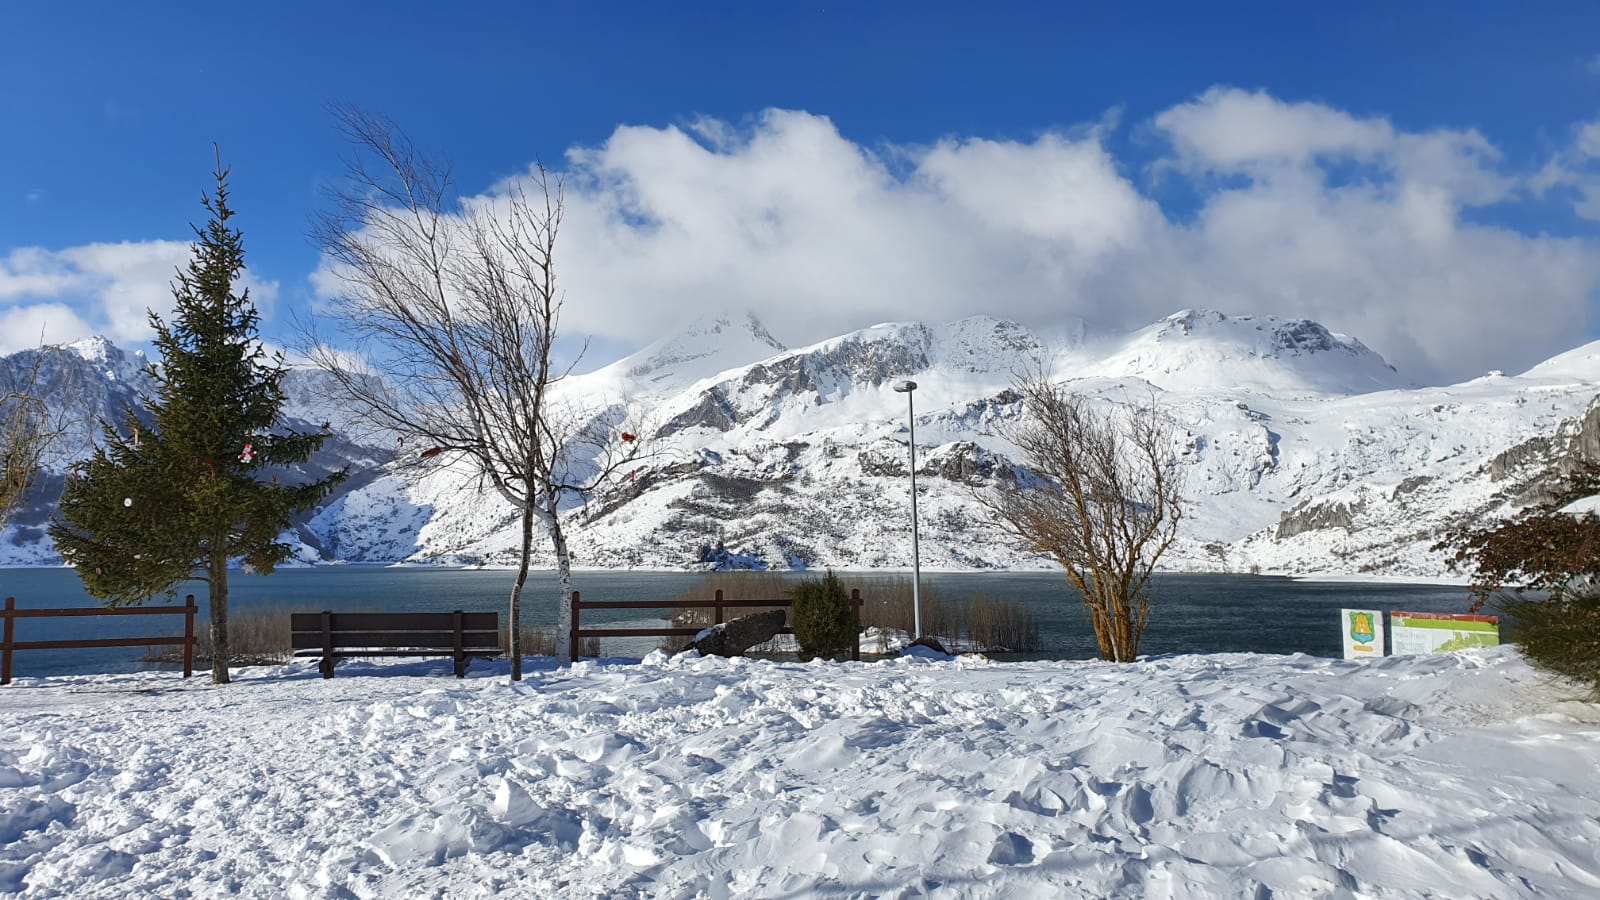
{"x":514,"y":638}
{"x":558,"y":540}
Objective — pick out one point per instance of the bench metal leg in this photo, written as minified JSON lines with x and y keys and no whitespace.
{"x":461,"y":666}
{"x":327,"y":666}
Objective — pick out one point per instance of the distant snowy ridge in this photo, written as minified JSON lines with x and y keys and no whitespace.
{"x":1304,"y":451}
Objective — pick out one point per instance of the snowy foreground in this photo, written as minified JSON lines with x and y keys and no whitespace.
{"x":1466,"y":775}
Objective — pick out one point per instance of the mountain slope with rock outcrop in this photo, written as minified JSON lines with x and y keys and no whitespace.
{"x":1303,"y":450}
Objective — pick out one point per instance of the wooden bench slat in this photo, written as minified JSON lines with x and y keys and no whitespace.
{"x":423,"y":621}
{"x":359,"y":653}
{"x":472,"y":640}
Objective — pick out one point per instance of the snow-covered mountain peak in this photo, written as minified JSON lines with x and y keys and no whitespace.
{"x":707,"y":346}
{"x":1204,"y":349}
{"x":976,"y":344}
{"x":984,"y":344}
{"x":1578,"y":364}
{"x":95,"y":349}
{"x":114,"y":362}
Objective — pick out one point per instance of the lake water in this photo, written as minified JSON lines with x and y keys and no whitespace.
{"x":1194,"y":613}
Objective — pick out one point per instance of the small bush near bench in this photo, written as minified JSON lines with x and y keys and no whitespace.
{"x":825,"y":624}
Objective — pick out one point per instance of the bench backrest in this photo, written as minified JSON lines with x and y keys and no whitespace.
{"x":429,"y":630}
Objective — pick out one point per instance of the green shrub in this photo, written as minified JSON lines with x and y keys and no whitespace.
{"x":1561,"y":634}
{"x":825,"y":624}
{"x":1542,"y":550}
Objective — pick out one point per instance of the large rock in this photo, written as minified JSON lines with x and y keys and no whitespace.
{"x":734,"y":637}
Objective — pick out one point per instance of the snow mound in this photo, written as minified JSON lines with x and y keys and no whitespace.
{"x":1227,"y":775}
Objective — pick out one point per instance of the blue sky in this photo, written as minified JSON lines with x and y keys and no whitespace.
{"x":922,"y":160}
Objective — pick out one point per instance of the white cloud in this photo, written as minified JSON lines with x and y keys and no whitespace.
{"x":107,"y":289}
{"x":1229,"y":129}
{"x":1351,"y":221}
{"x":22,"y":327}
{"x":1575,"y":169}
{"x":1587,"y":141}
{"x":1300,"y":209}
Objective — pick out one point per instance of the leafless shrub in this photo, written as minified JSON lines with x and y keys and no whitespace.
{"x":1100,"y":491}
{"x":27,"y":429}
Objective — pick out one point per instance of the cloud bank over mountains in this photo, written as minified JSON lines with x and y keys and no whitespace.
{"x":104,"y":289}
{"x":1238,"y":201}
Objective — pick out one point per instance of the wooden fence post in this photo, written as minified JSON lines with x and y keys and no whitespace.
{"x":572,"y":638}
{"x":9,"y":637}
{"x":189,"y":609}
{"x":327,"y":644}
{"x":855,"y":603}
{"x":719,"y":607}
{"x":460,"y":646}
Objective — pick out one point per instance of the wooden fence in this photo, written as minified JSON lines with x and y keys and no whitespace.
{"x":9,"y":643}
{"x":719,"y":605}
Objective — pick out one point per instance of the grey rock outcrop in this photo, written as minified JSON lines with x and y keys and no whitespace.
{"x":734,"y":637}
{"x":1314,"y":515}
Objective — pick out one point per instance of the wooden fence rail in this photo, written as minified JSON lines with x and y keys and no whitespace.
{"x":719,"y":605}
{"x":9,"y":643}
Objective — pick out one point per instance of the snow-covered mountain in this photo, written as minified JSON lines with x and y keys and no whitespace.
{"x":92,"y":381}
{"x":1304,"y":451}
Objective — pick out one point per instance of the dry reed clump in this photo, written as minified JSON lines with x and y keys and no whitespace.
{"x":980,"y":621}
{"x":541,"y":641}
{"x":1001,"y":624}
{"x":257,"y":636}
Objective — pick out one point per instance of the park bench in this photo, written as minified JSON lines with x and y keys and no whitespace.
{"x":333,"y":636}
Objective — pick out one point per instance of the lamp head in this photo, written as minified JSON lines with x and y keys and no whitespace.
{"x":905,"y":387}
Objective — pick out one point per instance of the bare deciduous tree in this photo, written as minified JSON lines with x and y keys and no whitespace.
{"x":1099,"y":490}
{"x":27,"y":430}
{"x":446,"y":322}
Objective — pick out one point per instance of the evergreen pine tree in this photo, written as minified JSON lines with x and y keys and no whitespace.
{"x":178,"y":495}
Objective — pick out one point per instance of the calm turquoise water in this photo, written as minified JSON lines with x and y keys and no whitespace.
{"x":1195,"y":613}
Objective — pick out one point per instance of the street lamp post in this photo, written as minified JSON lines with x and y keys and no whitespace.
{"x":907,"y":387}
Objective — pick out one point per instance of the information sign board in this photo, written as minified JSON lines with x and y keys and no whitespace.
{"x":1411,"y":632}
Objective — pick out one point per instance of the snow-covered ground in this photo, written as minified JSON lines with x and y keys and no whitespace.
{"x":1464,"y":775}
